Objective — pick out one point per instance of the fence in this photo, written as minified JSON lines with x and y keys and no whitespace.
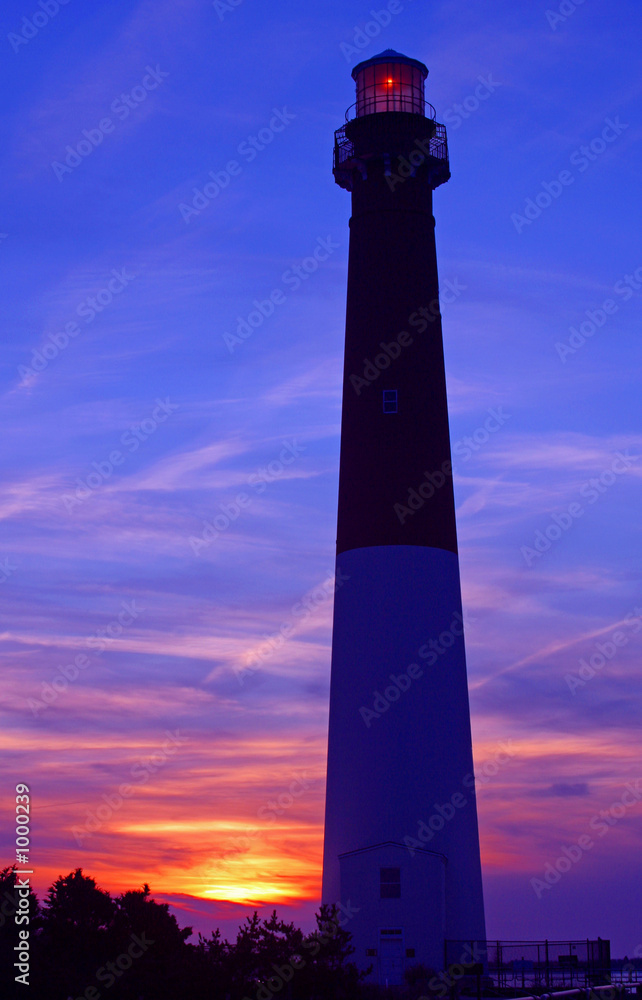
{"x":546,"y":965}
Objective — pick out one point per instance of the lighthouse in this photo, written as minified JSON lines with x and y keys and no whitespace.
{"x":401,"y":850}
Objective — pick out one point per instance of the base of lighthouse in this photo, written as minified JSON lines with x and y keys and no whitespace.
{"x":401,"y":841}
{"x":392,"y":934}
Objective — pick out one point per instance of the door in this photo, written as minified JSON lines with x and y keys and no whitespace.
{"x":391,"y":961}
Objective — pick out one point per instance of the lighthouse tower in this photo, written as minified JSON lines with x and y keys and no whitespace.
{"x":401,"y":847}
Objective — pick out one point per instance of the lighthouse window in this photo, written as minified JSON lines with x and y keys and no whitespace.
{"x":390,"y":883}
{"x":389,"y":400}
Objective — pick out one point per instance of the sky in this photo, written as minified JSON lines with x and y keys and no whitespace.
{"x":168,"y":497}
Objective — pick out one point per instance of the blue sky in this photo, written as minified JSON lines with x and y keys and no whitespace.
{"x":185,"y":86}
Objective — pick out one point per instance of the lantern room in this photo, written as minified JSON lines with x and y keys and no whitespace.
{"x":390,"y":119}
{"x":390,"y":82}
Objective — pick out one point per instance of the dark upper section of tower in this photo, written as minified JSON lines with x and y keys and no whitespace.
{"x":395,"y":480}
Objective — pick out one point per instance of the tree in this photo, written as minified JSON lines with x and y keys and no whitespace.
{"x":329,"y":975}
{"x":265,"y":959}
{"x":150,"y":955}
{"x":274,"y":960}
{"x":78,"y":920}
{"x":82,"y":938}
{"x":212,"y":968}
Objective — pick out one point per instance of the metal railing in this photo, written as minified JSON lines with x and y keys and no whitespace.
{"x":543,"y":965}
{"x":344,"y":148}
{"x":386,"y":103}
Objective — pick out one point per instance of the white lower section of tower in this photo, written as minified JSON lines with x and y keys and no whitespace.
{"x":401,"y":841}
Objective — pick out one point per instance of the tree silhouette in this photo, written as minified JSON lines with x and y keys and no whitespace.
{"x":272,"y":958}
{"x":330,"y":975}
{"x":78,"y":920}
{"x":86,"y":944}
{"x":146,"y":933}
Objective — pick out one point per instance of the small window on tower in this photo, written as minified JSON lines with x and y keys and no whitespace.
{"x":390,"y":883}
{"x":389,"y":400}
